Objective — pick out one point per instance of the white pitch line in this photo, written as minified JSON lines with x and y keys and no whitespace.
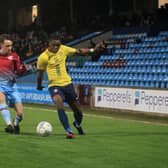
{"x":102,"y":116}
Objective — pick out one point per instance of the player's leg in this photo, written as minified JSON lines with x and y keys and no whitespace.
{"x":18,"y":117}
{"x":5,"y":113}
{"x":18,"y":110}
{"x":73,"y":102}
{"x":58,"y":98}
{"x":78,"y":115}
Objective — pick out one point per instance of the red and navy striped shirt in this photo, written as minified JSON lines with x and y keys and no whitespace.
{"x":9,"y":65}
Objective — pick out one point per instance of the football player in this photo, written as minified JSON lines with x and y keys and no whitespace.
{"x":10,"y":65}
{"x":53,"y":61}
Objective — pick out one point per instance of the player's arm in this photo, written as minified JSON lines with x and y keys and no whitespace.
{"x":19,"y":67}
{"x":85,"y":51}
{"x":41,"y":66}
{"x":39,"y":79}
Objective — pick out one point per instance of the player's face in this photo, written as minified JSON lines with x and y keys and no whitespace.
{"x":6,"y":47}
{"x":54,"y":46}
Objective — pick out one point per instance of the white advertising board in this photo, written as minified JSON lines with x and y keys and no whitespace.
{"x":132,"y":99}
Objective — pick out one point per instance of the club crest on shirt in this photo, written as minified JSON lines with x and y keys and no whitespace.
{"x":60,"y":53}
{"x":10,"y":57}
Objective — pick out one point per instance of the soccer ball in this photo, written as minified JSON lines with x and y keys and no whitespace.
{"x":44,"y":128}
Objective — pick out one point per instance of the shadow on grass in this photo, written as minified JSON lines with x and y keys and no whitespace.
{"x":36,"y":135}
{"x":93,"y":134}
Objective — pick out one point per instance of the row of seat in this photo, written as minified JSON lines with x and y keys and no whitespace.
{"x":128,"y":36}
{"x":123,"y":83}
{"x":142,"y":50}
{"x":127,"y":69}
{"x":127,"y":57}
{"x":142,"y":34}
{"x":146,"y":44}
{"x":144,"y":67}
{"x":148,"y":64}
{"x":154,"y":39}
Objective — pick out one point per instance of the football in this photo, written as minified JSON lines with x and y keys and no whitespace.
{"x":44,"y":128}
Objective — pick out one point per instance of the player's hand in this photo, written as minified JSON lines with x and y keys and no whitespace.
{"x":100,"y":46}
{"x":25,"y":68}
{"x":40,"y":87}
{"x":21,"y":70}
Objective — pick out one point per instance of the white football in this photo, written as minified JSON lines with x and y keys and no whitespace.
{"x":44,"y":128}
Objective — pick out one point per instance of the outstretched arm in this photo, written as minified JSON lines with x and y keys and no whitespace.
{"x":85,"y":51}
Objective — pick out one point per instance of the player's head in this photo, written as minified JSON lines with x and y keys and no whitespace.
{"x":54,"y":44}
{"x":5,"y":44}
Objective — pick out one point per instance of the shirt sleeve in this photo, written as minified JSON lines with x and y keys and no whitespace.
{"x":70,"y":50}
{"x":17,"y":64}
{"x":42,"y":62}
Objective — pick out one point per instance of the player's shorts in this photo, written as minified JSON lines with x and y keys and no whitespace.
{"x":66,"y":92}
{"x":12,"y":95}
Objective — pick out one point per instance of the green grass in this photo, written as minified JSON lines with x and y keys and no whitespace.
{"x":108,"y":143}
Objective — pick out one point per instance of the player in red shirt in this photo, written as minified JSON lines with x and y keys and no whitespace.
{"x":10,"y":65}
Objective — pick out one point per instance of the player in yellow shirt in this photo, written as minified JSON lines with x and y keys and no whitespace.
{"x":53,"y":61}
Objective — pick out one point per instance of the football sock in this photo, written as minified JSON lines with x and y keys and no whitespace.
{"x":5,"y":113}
{"x":68,"y":130}
{"x":17,"y":120}
{"x":64,"y":120}
{"x":78,"y":117}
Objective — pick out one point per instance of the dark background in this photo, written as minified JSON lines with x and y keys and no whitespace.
{"x":54,"y":13}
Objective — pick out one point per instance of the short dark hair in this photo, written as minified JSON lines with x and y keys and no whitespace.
{"x":4,"y":37}
{"x":53,"y":37}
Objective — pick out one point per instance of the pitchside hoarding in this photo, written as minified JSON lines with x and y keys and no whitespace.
{"x":29,"y":94}
{"x":132,"y":99}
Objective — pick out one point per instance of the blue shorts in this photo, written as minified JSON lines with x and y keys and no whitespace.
{"x":11,"y":93}
{"x":66,"y":92}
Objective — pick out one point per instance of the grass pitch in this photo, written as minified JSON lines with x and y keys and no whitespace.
{"x":108,"y":143}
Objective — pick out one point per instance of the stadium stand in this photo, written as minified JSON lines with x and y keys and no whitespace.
{"x":131,"y":60}
{"x":142,"y":62}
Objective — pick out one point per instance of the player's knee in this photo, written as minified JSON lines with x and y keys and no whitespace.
{"x":2,"y":98}
{"x":59,"y":105}
{"x":58,"y":101}
{"x":57,"y":98}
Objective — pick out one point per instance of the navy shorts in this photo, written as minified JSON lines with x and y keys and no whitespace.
{"x":66,"y":92}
